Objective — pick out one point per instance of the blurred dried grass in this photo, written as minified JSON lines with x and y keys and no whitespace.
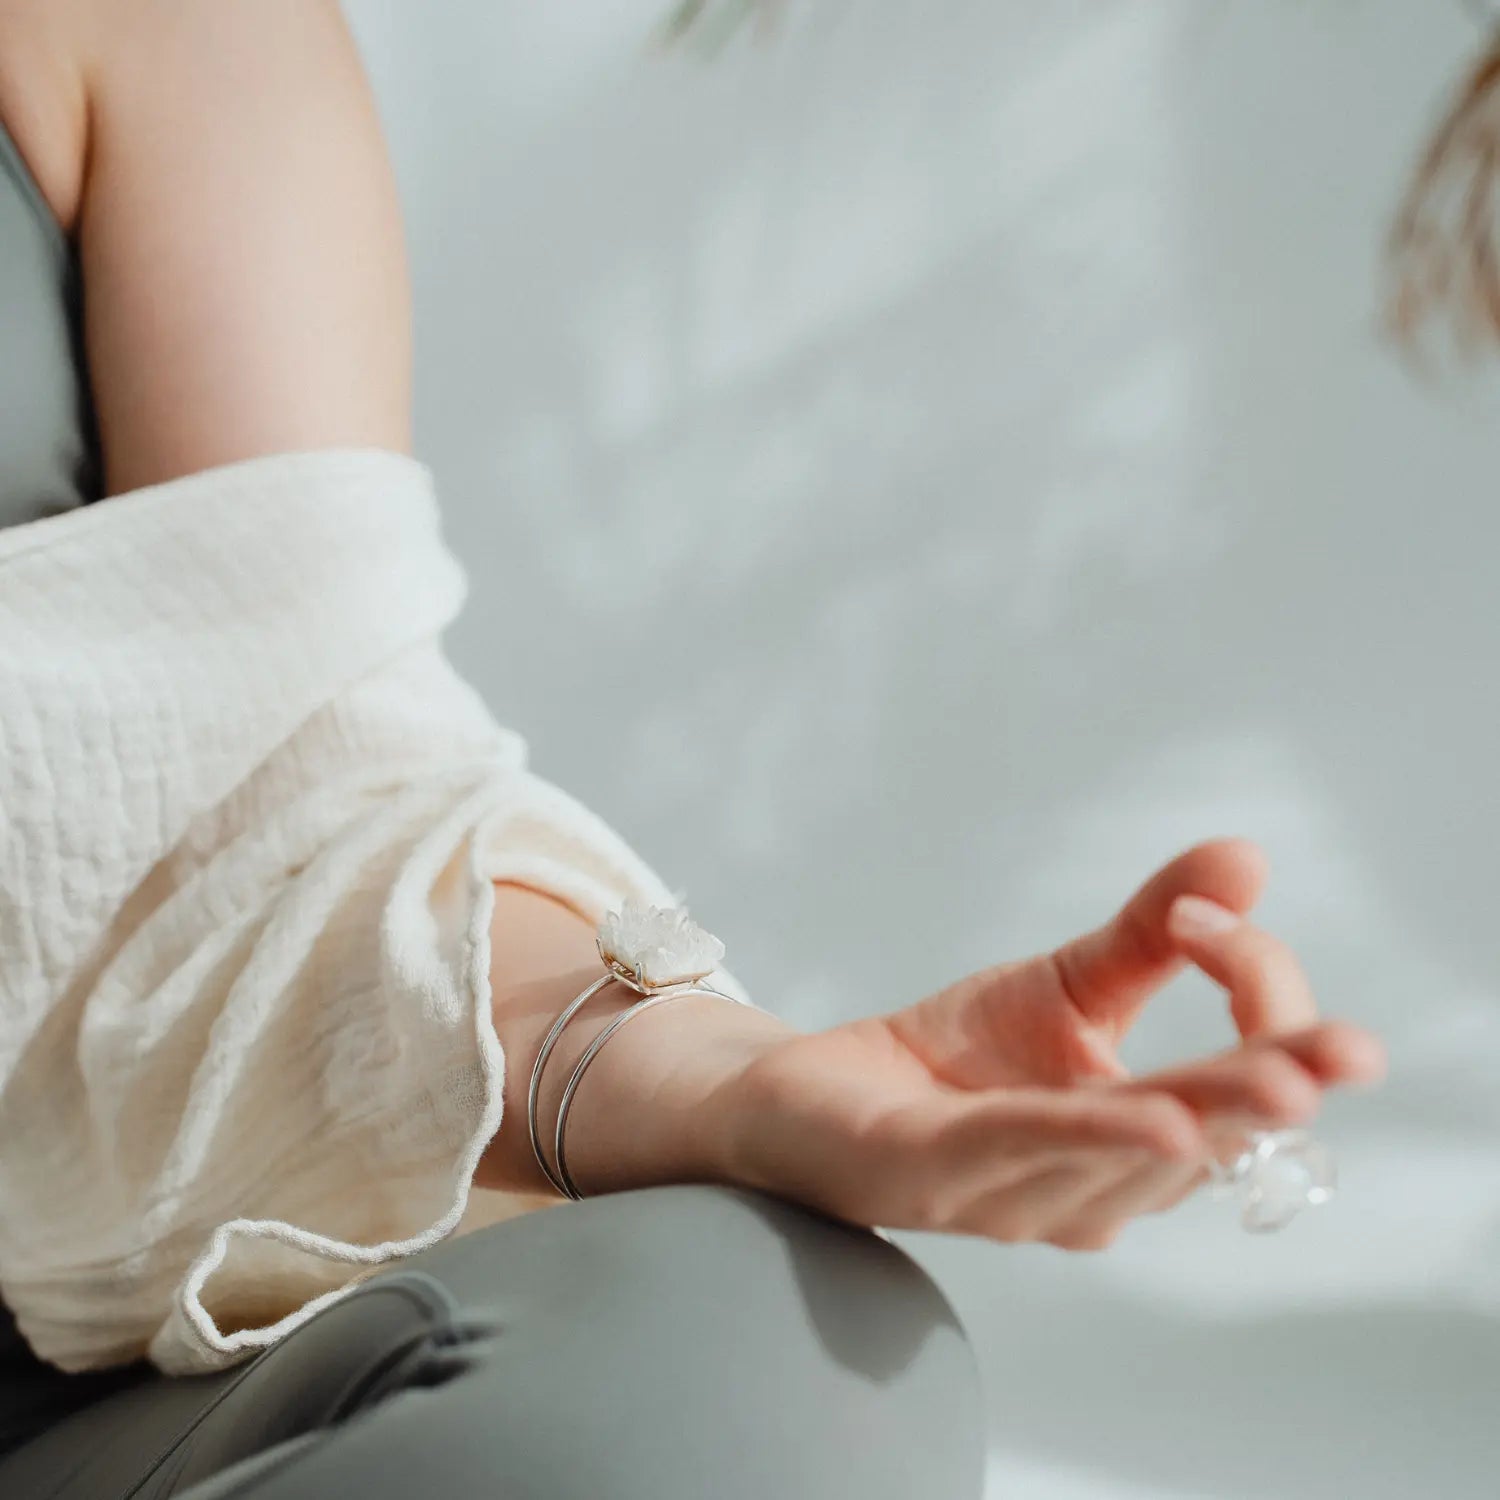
{"x":1443,"y":261}
{"x":1443,"y":265}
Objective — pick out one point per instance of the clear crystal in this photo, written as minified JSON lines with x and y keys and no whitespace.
{"x":1276,"y":1176}
{"x":662,"y":944}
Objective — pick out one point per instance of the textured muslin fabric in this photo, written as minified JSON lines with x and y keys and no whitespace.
{"x":249,"y":824}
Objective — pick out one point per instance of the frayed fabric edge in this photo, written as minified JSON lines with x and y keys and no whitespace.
{"x":212,"y":1350}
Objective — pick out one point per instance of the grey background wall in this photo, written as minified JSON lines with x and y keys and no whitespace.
{"x":919,"y":476}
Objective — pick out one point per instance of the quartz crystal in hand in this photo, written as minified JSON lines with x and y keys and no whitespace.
{"x":656,"y":947}
{"x":1276,"y":1176}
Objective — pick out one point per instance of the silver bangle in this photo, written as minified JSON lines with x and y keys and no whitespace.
{"x":660,"y":952}
{"x":681,"y":992}
{"x":541,"y":1062}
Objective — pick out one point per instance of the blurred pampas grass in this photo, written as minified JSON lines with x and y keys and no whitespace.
{"x":1443,"y":248}
{"x":1444,"y":265}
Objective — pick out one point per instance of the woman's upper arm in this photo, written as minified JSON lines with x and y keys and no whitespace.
{"x":244,"y":264}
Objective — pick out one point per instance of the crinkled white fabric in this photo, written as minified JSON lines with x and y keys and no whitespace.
{"x":249,"y":824}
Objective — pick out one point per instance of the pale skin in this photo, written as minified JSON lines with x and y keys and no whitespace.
{"x":221,"y":167}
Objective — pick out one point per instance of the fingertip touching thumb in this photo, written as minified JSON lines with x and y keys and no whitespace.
{"x":1196,"y":917}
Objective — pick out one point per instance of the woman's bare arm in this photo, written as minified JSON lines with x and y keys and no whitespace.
{"x":246,"y":293}
{"x":243,"y":256}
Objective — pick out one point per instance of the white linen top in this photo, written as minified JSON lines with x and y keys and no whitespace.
{"x":249,"y":824}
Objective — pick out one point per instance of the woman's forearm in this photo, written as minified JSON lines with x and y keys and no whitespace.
{"x":996,"y":1106}
{"x":648,"y":1110}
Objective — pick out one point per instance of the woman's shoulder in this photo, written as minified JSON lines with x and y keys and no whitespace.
{"x":43,"y":104}
{"x":238,"y":226}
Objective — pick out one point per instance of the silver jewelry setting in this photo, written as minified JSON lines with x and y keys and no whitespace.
{"x":661,"y":954}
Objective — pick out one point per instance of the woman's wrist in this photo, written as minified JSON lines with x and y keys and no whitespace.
{"x":657,"y":1104}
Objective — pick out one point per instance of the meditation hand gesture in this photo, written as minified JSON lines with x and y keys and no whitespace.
{"x":998,"y":1107}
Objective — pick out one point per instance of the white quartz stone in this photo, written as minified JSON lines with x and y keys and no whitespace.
{"x":1287,"y":1171}
{"x":663,"y":942}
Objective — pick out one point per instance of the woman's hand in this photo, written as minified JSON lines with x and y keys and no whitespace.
{"x":998,"y":1107}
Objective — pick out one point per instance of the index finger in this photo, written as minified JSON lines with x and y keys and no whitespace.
{"x":1269,"y":991}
